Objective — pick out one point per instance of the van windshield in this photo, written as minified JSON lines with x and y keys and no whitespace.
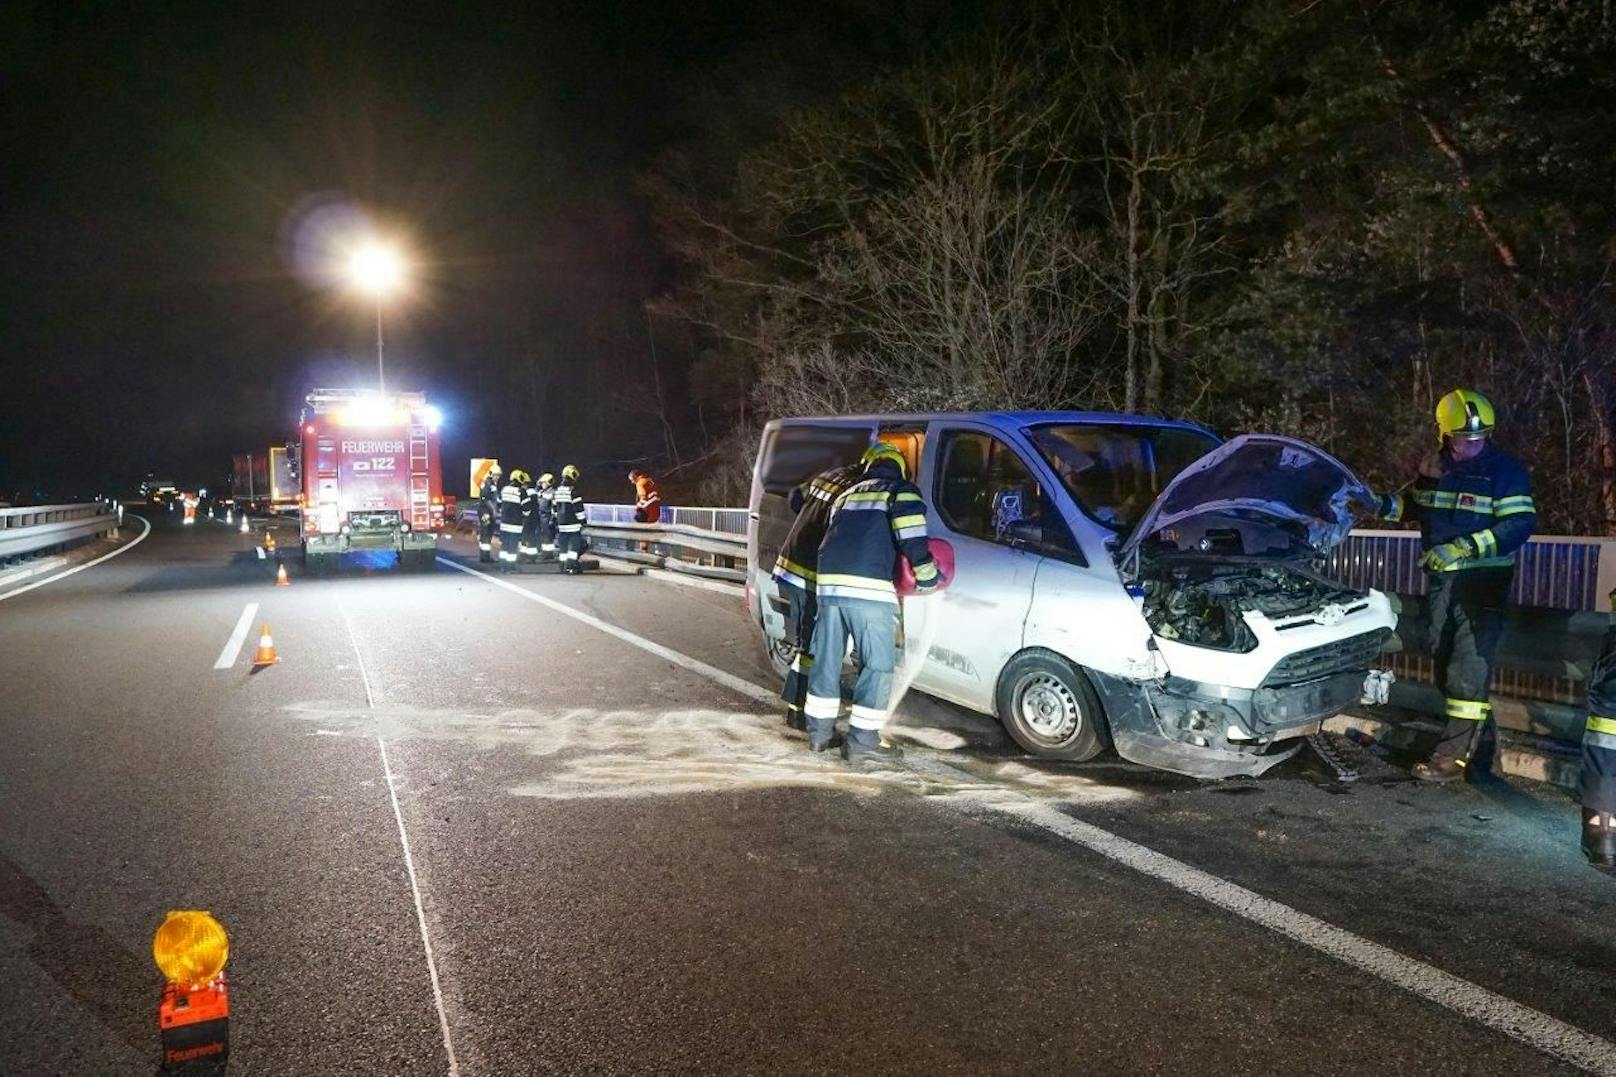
{"x":1113,"y":471}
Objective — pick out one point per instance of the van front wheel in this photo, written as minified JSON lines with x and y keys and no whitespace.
{"x":1049,"y":708}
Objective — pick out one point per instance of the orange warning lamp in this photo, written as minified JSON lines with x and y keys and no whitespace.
{"x":190,"y":948}
{"x":193,"y":1019}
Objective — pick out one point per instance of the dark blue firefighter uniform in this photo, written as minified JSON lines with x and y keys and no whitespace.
{"x":1599,"y":757}
{"x":870,"y":524}
{"x":1485,"y":502}
{"x":796,"y":573}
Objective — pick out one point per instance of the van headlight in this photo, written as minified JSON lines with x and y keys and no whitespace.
{"x":404,"y":526}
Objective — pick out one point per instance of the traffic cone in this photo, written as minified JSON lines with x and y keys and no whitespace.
{"x":229,"y":516}
{"x":280,"y":577}
{"x":244,"y":527}
{"x":266,"y":655}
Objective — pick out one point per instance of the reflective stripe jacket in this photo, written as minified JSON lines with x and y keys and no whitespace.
{"x":569,"y":510}
{"x":488,"y":499}
{"x":648,"y":499}
{"x":1601,"y":728}
{"x":798,"y":562}
{"x":1487,"y":499}
{"x":515,"y":503}
{"x":870,"y":524}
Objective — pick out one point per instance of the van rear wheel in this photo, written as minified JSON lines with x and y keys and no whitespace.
{"x":1049,"y":708}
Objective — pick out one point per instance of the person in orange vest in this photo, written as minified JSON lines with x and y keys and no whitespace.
{"x":647,"y":498}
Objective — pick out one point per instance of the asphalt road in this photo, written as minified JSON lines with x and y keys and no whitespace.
{"x":620,"y":861}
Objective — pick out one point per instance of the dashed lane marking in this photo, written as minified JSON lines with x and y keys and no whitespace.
{"x":232,"y":646}
{"x":1521,"y":1023}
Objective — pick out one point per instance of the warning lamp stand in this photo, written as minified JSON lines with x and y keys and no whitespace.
{"x":194,"y":1023}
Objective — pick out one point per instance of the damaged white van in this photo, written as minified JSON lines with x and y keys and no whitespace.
{"x":1118,"y":580}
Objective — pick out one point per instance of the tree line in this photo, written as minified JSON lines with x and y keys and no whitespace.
{"x":1311,"y":217}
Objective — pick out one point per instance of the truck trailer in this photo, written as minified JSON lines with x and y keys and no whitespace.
{"x":372,"y":478}
{"x":267,"y":482}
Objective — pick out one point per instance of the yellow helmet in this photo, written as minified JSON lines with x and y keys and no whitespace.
{"x":569,"y":473}
{"x":1464,"y":413}
{"x":520,"y":477}
{"x":546,"y":479}
{"x":883,"y":451}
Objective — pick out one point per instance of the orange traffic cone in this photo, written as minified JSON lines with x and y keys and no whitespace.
{"x":266,"y":655}
{"x":280,"y":577}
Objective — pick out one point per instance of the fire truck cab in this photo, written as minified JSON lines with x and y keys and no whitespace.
{"x":372,"y":477}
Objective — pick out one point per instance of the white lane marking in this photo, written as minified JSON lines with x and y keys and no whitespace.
{"x":1547,"y":1034}
{"x":232,"y":646}
{"x":712,"y":673}
{"x":409,"y":860}
{"x":88,"y":564}
{"x":1532,"y":1027}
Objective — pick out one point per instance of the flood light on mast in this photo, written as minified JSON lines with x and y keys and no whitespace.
{"x":376,"y":269}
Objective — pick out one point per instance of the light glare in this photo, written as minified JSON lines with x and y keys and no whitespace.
{"x":376,"y":269}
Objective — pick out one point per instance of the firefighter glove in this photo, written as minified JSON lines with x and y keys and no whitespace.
{"x":1446,"y":557}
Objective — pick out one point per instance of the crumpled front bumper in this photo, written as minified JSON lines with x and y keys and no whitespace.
{"x":1210,"y":731}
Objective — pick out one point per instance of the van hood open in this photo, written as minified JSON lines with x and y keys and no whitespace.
{"x":1256,"y":477}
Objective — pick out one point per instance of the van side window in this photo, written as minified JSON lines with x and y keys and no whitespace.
{"x":985,"y":491}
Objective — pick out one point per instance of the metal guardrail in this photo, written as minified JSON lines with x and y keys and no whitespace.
{"x":37,"y":528}
{"x":726,"y":521}
{"x":678,"y":543}
{"x":1560,"y":572}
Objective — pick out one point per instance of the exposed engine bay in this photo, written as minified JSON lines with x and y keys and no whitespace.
{"x":1203,"y":600}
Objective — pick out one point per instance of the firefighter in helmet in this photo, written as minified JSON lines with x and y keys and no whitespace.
{"x":873,"y":521}
{"x":528,"y":551}
{"x":1473,"y":503}
{"x":569,"y":520}
{"x":796,"y":575}
{"x":514,"y":505}
{"x":546,"y":514}
{"x":488,"y":513}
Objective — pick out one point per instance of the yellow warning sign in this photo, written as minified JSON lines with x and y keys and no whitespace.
{"x":480,"y":467}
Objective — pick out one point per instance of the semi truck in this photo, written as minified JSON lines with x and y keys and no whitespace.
{"x":266,"y":482}
{"x":372,"y":477}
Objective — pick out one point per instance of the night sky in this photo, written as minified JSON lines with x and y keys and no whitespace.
{"x":158,"y":159}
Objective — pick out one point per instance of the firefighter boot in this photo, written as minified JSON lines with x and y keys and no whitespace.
{"x":822,"y":736}
{"x":866,"y":747}
{"x":1440,"y":771}
{"x":1599,"y":840}
{"x":795,"y":720}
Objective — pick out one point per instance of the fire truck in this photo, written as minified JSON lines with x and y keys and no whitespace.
{"x":267,"y":482}
{"x":372,"y":476}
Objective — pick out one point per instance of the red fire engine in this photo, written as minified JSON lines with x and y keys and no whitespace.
{"x":372,"y":477}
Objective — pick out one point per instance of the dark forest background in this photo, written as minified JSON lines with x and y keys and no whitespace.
{"x":652,"y":229}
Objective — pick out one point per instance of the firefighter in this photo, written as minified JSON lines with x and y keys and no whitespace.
{"x":871,"y":523}
{"x":569,"y":520}
{"x":546,"y":514}
{"x":647,"y":498}
{"x":488,"y":513}
{"x":1599,"y":758}
{"x":513,"y":506}
{"x":528,"y":550}
{"x":1473,"y":502}
{"x":795,"y":574}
